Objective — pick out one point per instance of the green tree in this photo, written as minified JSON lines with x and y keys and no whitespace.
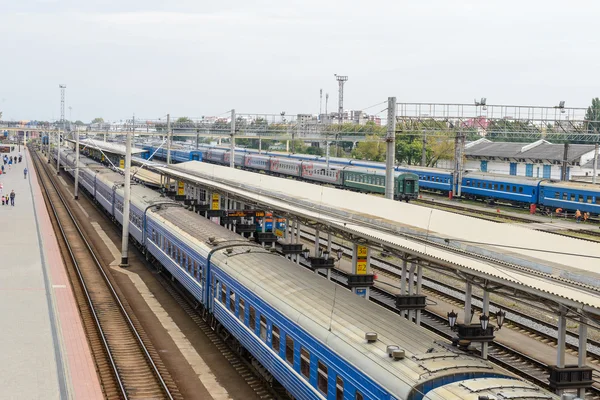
{"x":372,"y":149}
{"x":98,"y":120}
{"x":592,"y":116}
{"x":315,"y":151}
{"x":183,"y":121}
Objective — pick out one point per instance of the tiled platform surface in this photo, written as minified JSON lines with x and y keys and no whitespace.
{"x":44,"y":351}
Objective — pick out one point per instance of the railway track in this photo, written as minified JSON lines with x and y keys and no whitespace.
{"x":127,"y":364}
{"x":246,"y":370}
{"x":481,"y":214}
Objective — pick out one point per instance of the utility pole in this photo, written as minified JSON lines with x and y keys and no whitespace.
{"x":326,"y":103}
{"x":595,"y":164}
{"x":76,"y":188}
{"x":168,"y":138}
{"x":459,"y":146}
{"x":62,"y":122}
{"x":424,"y":150}
{"x":390,"y":154}
{"x":232,"y":141}
{"x":126,"y":197}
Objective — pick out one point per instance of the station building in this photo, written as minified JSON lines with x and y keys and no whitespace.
{"x":540,"y":159}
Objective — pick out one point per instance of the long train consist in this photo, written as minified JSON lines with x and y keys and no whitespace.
{"x":513,"y":189}
{"x":300,"y":330}
{"x":406,"y":184}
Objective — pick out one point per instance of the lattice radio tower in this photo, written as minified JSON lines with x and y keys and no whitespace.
{"x":341,"y":80}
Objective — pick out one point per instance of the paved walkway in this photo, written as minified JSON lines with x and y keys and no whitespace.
{"x":45,"y":354}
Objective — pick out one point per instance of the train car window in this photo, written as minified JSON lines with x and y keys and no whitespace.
{"x":223,"y":294}
{"x":275,"y":341}
{"x":502,"y":187}
{"x":305,"y":362}
{"x":572,"y":197}
{"x":597,"y":199}
{"x":520,"y":189}
{"x":322,"y":378}
{"x":232,"y":301}
{"x":580,"y":198}
{"x":557,"y":195}
{"x":339,"y":388}
{"x":514,"y":189}
{"x":289,"y":349}
{"x":263,"y":328}
{"x":358,"y":396}
{"x":564,"y":196}
{"x":589,"y":199}
{"x":252,"y":319}
{"x":241,"y":311}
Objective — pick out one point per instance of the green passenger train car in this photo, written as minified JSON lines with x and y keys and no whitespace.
{"x":406,"y":186}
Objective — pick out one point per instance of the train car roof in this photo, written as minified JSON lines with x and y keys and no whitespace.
{"x":494,"y":388}
{"x":573,"y":185}
{"x":331,"y":314}
{"x":521,"y":180}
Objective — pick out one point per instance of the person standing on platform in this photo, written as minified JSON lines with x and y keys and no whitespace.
{"x":12,"y":198}
{"x":2,"y":168}
{"x":25,"y":173}
{"x":10,"y":164}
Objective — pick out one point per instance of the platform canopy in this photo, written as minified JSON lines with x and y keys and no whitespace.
{"x":107,"y":147}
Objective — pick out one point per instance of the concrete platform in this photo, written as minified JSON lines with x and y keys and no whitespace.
{"x":45,"y":353}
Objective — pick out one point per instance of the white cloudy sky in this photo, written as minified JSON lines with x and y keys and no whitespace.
{"x":199,"y":57}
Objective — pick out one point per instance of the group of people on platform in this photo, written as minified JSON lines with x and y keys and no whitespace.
{"x":9,"y":161}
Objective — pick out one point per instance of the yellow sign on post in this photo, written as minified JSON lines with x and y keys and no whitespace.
{"x":121,"y":163}
{"x":279,"y":233}
{"x":216,"y":202}
{"x":361,"y":251}
{"x":180,"y":188}
{"x":361,"y":267}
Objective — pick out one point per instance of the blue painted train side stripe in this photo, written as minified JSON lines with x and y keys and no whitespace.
{"x":280,"y":369}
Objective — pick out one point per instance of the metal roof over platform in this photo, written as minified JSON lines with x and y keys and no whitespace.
{"x":107,"y":147}
{"x":538,"y":264}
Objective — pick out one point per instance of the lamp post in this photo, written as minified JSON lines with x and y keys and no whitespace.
{"x":340,"y":254}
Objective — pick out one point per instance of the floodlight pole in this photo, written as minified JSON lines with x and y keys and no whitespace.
{"x":390,"y":140}
{"x":126,"y":197}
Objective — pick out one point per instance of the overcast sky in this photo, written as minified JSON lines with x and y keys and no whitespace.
{"x":199,"y":57}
